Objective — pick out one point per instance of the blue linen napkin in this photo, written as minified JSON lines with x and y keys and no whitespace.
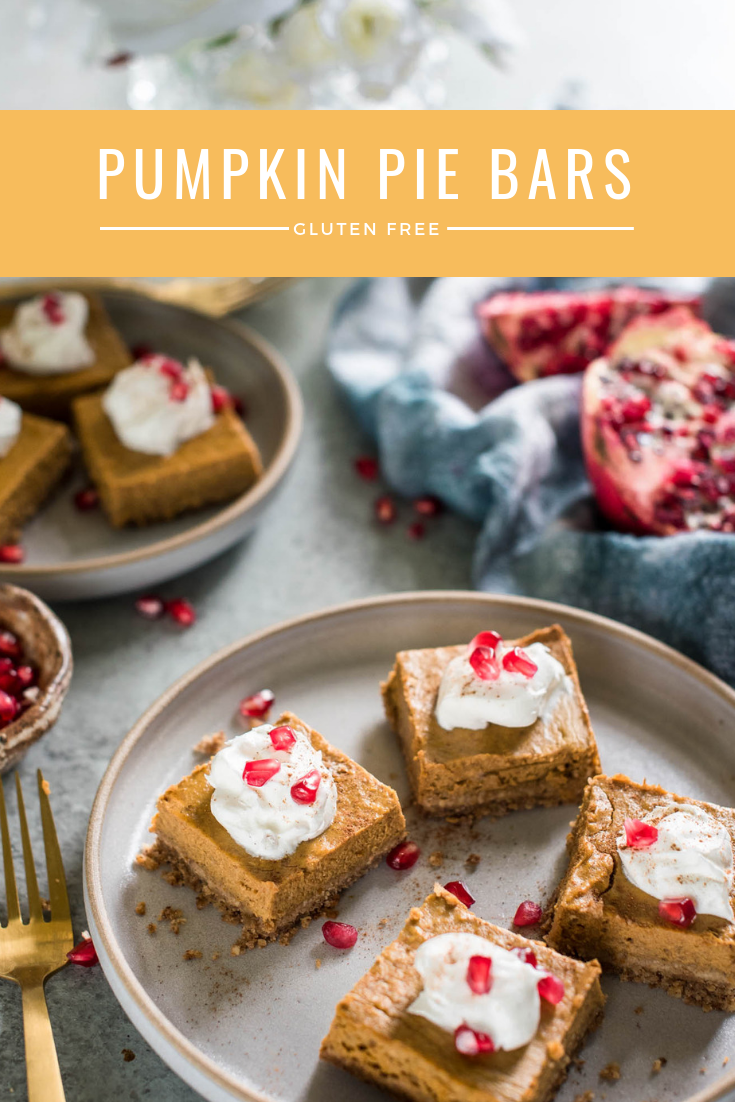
{"x":418,"y":376}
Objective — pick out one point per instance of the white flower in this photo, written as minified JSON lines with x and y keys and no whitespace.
{"x":372,"y":32}
{"x":302,"y":40}
{"x":491,"y":24}
{"x":260,"y":78}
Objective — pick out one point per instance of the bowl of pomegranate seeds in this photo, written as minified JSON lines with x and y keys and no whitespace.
{"x":35,"y":671}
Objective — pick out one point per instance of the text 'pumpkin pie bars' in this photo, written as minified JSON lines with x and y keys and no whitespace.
{"x":459,"y":1010}
{"x":55,"y":347}
{"x":34,"y":454}
{"x":492,"y":726}
{"x":649,"y":890}
{"x":162,"y":440}
{"x":274,"y":828}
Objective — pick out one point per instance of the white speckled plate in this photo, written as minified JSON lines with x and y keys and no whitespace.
{"x":73,"y":555}
{"x":250,"y":1027}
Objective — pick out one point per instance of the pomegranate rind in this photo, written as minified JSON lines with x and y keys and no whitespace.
{"x":560,"y":332}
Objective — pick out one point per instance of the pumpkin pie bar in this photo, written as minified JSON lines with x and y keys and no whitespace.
{"x":51,"y":394}
{"x":30,"y":470}
{"x":494,"y":726}
{"x":458,"y":1009}
{"x":138,"y":488}
{"x":231,"y":829}
{"x":649,"y":890}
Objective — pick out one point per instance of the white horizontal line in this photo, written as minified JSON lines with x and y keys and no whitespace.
{"x":229,"y":228}
{"x":540,"y":227}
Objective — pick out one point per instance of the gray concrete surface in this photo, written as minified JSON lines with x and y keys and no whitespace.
{"x":317,"y":547}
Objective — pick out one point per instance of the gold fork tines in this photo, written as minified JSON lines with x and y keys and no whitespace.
{"x":30,"y":951}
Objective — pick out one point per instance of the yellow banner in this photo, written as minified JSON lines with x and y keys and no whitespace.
{"x":617,"y":193}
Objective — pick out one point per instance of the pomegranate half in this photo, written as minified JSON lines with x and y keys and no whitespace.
{"x":561,"y":332}
{"x":658,"y":427}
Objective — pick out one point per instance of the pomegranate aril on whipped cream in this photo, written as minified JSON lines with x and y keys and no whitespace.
{"x":282,"y":738}
{"x":658,"y":427}
{"x":639,"y":835}
{"x":404,"y":855}
{"x":52,"y":308}
{"x":471,"y":1043}
{"x":305,"y":790}
{"x":560,"y":332}
{"x":551,"y":989}
{"x":485,"y":664}
{"x":517,"y":661}
{"x":479,"y":978}
{"x":257,"y":773}
{"x":339,"y":934}
{"x":679,"y":912}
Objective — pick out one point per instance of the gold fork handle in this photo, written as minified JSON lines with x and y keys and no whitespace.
{"x":42,"y":1064}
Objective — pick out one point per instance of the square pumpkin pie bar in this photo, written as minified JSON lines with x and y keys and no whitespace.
{"x":274,"y":828}
{"x":492,"y":726}
{"x":55,"y":347}
{"x":459,"y":1009}
{"x":162,"y":441}
{"x":34,"y":454}
{"x":649,"y":890}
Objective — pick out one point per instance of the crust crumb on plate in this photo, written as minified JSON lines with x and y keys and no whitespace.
{"x":210,"y":744}
{"x":193,"y":954}
{"x":610,"y":1072}
{"x":140,"y":908}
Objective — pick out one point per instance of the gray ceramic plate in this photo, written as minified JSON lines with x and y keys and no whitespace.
{"x":72,"y":555}
{"x":250,"y":1027}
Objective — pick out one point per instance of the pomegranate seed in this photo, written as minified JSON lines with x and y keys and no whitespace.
{"x":9,"y":707}
{"x":635,"y":409}
{"x":460,"y":891}
{"x":10,"y":645}
{"x":26,"y":676}
{"x":470,"y":1043}
{"x":551,"y":989}
{"x":485,"y":664}
{"x":86,"y":500}
{"x":305,"y":790}
{"x":150,"y":607}
{"x":51,"y":307}
{"x":679,"y":912}
{"x":257,"y":772}
{"x":416,"y":530}
{"x":428,"y":506}
{"x":142,"y":351}
{"x":181,"y":611}
{"x":528,"y":914}
{"x":172,"y":368}
{"x":527,"y":956}
{"x":122,"y":57}
{"x":339,"y":934}
{"x":479,"y":979}
{"x":283,"y":738}
{"x":404,"y":855}
{"x":489,"y":639}
{"x":711,"y":414}
{"x":12,"y":553}
{"x":367,"y":467}
{"x":179,"y":391}
{"x":84,"y":953}
{"x":257,"y":705}
{"x":385,"y":510}
{"x":6,"y":665}
{"x":517,"y":661}
{"x":221,"y":398}
{"x":9,"y":682}
{"x":639,"y":835}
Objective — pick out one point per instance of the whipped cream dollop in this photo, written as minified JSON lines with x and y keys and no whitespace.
{"x":158,"y":404}
{"x":692,"y":858}
{"x":46,"y":336}
{"x":265,"y":819}
{"x":11,"y":417}
{"x":509,"y":1013}
{"x":511,"y":700}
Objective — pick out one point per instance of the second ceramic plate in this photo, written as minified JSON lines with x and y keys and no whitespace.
{"x":72,"y":555}
{"x":250,"y":1027}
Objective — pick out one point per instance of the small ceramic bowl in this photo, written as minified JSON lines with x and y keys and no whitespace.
{"x":46,"y":645}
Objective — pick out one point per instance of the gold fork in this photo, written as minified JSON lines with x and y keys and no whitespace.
{"x":31,"y":951}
